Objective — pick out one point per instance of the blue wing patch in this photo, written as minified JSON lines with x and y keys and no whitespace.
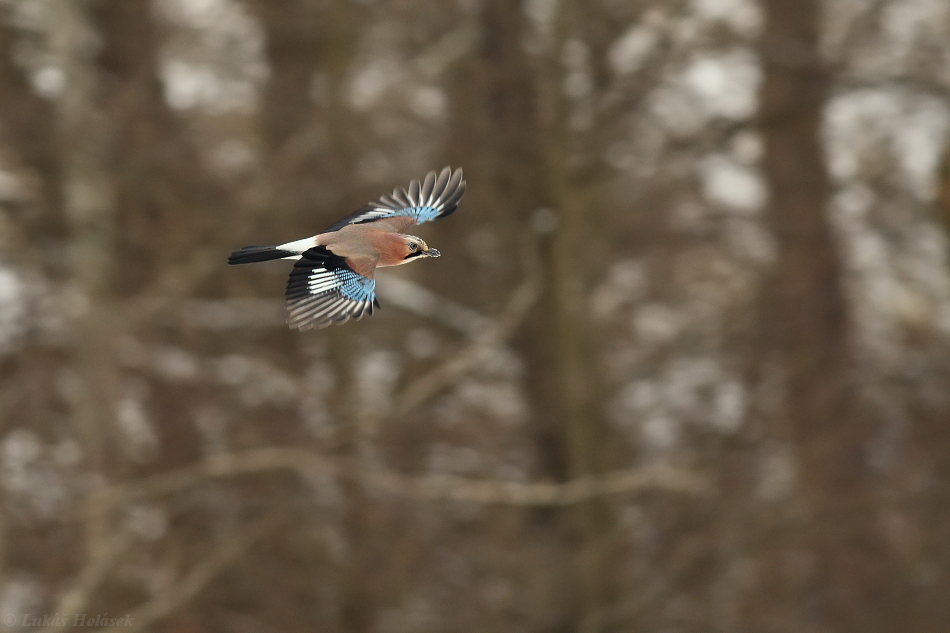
{"x":435,"y":197}
{"x":323,"y":289}
{"x":419,"y":214}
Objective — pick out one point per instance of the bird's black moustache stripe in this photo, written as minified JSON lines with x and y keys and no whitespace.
{"x":416,"y":254}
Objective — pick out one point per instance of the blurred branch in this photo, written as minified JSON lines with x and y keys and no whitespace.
{"x":862,"y":24}
{"x":447,"y":50}
{"x":424,"y":488}
{"x":519,"y":304}
{"x":213,"y":467}
{"x":233,"y":313}
{"x":444,"y":375}
{"x":414,"y":297}
{"x":179,"y":593}
{"x":107,"y":553}
{"x":923,"y":85}
{"x":943,"y":190}
{"x":487,"y":491}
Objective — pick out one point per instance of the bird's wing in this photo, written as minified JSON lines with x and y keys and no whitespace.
{"x":435,"y":197}
{"x":323,"y":288}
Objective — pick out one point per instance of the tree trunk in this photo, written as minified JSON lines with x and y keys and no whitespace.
{"x":89,"y":207}
{"x":805,"y":331}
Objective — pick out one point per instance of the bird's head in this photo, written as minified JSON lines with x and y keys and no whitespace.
{"x":417,"y":248}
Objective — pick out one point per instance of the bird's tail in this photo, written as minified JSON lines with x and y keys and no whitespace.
{"x":251,"y":254}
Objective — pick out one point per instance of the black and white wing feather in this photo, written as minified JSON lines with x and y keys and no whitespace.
{"x":435,"y":197}
{"x":323,"y":289}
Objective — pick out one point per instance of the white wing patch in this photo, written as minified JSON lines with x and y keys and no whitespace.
{"x":323,"y":289}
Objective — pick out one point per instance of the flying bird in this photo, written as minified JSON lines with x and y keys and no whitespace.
{"x":333,"y":279}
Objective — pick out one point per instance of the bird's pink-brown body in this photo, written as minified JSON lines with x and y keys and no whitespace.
{"x":333,"y":279}
{"x":366,"y":246}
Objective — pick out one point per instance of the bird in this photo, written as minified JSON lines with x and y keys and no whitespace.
{"x":333,"y":279}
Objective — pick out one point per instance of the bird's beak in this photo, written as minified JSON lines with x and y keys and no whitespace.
{"x":433,"y":252}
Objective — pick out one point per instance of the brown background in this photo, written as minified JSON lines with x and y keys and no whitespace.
{"x":683,"y":366}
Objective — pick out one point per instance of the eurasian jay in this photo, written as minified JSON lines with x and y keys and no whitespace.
{"x":332,"y":280}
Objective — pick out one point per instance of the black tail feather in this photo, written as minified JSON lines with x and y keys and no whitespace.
{"x":251,"y":254}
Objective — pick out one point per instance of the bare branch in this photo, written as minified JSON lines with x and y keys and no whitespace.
{"x":200,"y":576}
{"x":425,"y":488}
{"x":447,"y":50}
{"x":108,"y":552}
{"x":487,"y":491}
{"x":441,"y":377}
{"x":921,"y":85}
{"x":213,"y":467}
{"x":415,"y":298}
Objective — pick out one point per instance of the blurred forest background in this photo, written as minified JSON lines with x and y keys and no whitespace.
{"x":682,"y":368}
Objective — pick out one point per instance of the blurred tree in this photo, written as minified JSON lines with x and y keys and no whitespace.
{"x":804,"y":328}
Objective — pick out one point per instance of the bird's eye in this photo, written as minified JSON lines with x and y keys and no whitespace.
{"x":413,"y":246}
